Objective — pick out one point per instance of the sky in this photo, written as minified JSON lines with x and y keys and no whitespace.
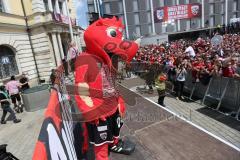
{"x":82,"y":10}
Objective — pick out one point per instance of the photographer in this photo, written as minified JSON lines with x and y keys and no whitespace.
{"x":5,"y":104}
{"x":180,"y":80}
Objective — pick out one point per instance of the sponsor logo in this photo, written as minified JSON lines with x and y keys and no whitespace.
{"x":195,"y":10}
{"x":103,"y":136}
{"x":160,"y":14}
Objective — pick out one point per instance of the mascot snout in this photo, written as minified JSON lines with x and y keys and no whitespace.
{"x":106,"y":39}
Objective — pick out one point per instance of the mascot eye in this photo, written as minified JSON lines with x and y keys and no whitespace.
{"x":111,"y":32}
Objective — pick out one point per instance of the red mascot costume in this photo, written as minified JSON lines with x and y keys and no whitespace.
{"x":97,"y":97}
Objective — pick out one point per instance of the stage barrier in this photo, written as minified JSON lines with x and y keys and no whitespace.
{"x":225,"y":91}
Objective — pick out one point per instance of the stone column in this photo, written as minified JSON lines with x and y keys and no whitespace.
{"x":51,"y":52}
{"x":56,"y":49}
{"x":50,"y":7}
{"x":60,"y":45}
{"x":64,"y":8}
{"x":75,"y":40}
{"x":38,"y":6}
{"x":77,"y":37}
{"x":57,"y":9}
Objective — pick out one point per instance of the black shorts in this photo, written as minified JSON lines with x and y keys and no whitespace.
{"x":15,"y":97}
{"x":105,"y":131}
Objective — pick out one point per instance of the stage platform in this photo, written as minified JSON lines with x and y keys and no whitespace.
{"x":159,"y":134}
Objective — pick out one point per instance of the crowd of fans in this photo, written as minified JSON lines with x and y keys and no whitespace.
{"x":200,"y":56}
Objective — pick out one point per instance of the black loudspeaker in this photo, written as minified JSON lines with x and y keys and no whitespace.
{"x":4,"y":155}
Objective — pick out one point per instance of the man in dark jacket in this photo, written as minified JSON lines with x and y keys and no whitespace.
{"x":24,"y":82}
{"x":5,"y":104}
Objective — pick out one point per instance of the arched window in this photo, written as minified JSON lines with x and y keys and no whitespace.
{"x":1,"y":6}
{"x":8,"y":65}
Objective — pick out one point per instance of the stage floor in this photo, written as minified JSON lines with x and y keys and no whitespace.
{"x":158,"y":134}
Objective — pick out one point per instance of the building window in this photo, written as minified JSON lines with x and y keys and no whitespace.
{"x":8,"y":65}
{"x":107,"y":8}
{"x":234,"y":5}
{"x":1,"y":6}
{"x":135,"y":5}
{"x":137,"y":31}
{"x":222,"y":8}
{"x":136,"y":18}
{"x":212,"y":21}
{"x":149,"y":29}
{"x":222,"y":19}
{"x":211,"y":8}
{"x":147,"y":4}
{"x":169,"y":3}
{"x":120,"y":7}
{"x":149,"y":19}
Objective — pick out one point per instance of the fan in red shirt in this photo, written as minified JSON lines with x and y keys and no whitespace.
{"x":228,"y":70}
{"x":197,"y":66}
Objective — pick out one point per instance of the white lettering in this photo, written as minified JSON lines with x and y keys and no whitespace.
{"x":67,"y":144}
{"x":55,"y":146}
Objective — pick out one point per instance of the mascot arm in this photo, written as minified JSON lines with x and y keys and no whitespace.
{"x":86,"y":72}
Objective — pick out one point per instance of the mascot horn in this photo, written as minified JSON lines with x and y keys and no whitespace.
{"x":96,"y":95}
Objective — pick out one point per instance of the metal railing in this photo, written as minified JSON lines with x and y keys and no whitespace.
{"x":224,"y":90}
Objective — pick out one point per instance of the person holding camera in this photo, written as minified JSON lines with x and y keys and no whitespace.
{"x":5,"y":104}
{"x":180,"y":80}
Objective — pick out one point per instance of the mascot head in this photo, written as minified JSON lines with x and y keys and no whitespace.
{"x":104,"y":38}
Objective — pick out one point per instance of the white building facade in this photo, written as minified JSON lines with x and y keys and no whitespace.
{"x":39,"y":44}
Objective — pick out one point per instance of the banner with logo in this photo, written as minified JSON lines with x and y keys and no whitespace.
{"x":62,"y":19}
{"x":234,"y":20}
{"x":62,"y":133}
{"x":167,"y":13}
